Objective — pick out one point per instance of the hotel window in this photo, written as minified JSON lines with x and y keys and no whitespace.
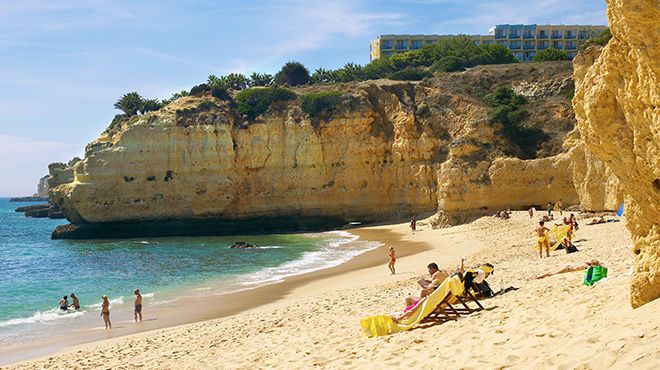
{"x":385,"y":44}
{"x":401,"y":44}
{"x":513,"y":34}
{"x":431,"y":42}
{"x":556,"y":34}
{"x":528,"y":34}
{"x":557,"y":45}
{"x":499,"y":33}
{"x":543,"y":34}
{"x":416,"y":44}
{"x":570,"y":34}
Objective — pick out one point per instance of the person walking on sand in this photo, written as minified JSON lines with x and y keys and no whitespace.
{"x":531,"y":213}
{"x":549,"y":209}
{"x":413,"y":224}
{"x":64,"y":303}
{"x":105,"y":312}
{"x":138,"y":305}
{"x":558,"y":207}
{"x":392,"y":255}
{"x":75,"y":303}
{"x":543,"y":240}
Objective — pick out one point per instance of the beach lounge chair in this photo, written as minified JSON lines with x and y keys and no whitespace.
{"x":434,"y":305}
{"x":445,"y":311}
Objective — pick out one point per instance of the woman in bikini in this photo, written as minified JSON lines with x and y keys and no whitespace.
{"x":105,"y":312}
{"x":392,"y":255}
{"x":568,"y":268}
{"x":543,"y":240}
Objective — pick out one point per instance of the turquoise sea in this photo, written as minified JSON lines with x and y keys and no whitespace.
{"x":35,"y":271}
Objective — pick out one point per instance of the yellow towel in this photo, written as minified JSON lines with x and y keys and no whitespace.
{"x":380,"y":325}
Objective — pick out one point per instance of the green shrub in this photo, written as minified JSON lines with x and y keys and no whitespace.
{"x":602,"y":39}
{"x":151,"y":105}
{"x":255,"y":101}
{"x":323,"y":103}
{"x":378,"y":68}
{"x":292,"y":74}
{"x":506,"y":109}
{"x":220,"y":93}
{"x":199,"y":89}
{"x":549,"y":55}
{"x":449,"y":63}
{"x":410,"y":74}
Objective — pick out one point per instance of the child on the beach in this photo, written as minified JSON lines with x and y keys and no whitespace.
{"x":392,"y":255}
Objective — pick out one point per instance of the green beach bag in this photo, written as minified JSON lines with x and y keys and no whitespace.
{"x":594,"y":274}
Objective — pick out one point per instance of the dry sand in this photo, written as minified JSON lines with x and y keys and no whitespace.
{"x":549,"y":323}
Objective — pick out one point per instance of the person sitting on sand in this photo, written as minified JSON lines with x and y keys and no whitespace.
{"x":568,"y":268}
{"x":75,"y":303}
{"x":64,"y":303}
{"x":543,"y":240}
{"x":597,"y":221}
{"x":138,"y":305}
{"x":437,"y":277}
{"x":105,"y":312}
{"x":392,"y":256}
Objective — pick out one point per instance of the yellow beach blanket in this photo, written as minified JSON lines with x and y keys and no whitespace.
{"x":380,"y":325}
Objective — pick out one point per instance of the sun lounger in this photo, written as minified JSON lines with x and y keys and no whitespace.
{"x":432,"y":305}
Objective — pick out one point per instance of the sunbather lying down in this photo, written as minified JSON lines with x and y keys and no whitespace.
{"x":568,"y":268}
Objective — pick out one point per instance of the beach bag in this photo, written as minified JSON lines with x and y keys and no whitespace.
{"x":594,"y":274}
{"x":571,"y":249}
{"x":484,"y":289}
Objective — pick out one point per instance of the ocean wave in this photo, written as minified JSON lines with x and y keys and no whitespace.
{"x":117,"y":302}
{"x":339,"y":248}
{"x":38,"y":317}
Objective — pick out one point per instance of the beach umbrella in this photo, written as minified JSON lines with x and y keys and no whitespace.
{"x":619,"y":212}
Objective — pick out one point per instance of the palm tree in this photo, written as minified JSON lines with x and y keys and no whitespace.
{"x":130,"y":103}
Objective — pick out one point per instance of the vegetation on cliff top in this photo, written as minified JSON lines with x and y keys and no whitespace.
{"x":602,"y":39}
{"x":448,"y":55}
{"x":253,"y":102}
{"x":507,"y":110}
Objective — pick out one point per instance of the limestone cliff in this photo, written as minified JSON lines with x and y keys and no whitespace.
{"x":616,"y":104}
{"x":394,"y":149}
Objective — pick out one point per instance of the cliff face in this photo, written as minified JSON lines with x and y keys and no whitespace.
{"x":616,"y":104}
{"x":394,"y":150}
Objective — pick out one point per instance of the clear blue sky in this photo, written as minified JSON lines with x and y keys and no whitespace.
{"x":64,"y":63}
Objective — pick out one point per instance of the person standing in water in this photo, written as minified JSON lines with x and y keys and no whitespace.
{"x":392,"y":255}
{"x":138,"y":305}
{"x":105,"y":312}
{"x":64,"y":303}
{"x":75,"y":303}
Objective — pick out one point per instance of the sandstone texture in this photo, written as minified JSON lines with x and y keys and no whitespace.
{"x":617,"y":106}
{"x":393,"y":150}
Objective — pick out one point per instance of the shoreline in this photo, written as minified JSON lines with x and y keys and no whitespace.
{"x":196,"y":309}
{"x":317,"y":324}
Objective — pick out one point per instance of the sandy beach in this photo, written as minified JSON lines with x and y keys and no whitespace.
{"x":312,"y":320}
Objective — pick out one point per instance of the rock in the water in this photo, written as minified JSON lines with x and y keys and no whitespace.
{"x":242,"y":245}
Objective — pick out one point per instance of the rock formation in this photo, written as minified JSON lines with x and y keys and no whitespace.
{"x":394,"y":149}
{"x":616,"y":103}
